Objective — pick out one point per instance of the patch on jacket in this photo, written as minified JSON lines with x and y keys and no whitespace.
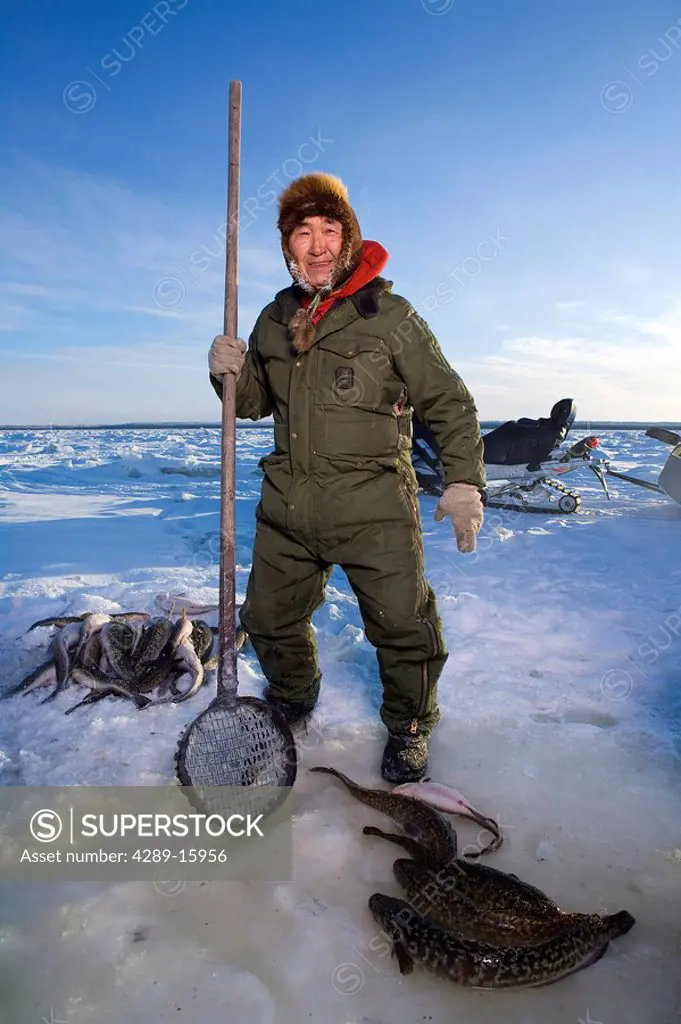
{"x":345,"y":378}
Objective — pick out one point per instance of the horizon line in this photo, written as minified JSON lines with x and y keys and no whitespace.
{"x":268,"y":423}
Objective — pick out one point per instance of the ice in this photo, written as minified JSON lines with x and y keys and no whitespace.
{"x":561,"y":718}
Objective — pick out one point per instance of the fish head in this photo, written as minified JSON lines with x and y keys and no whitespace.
{"x":157,"y":620}
{"x":182,"y":629}
{"x":201,"y":637}
{"x":157,"y":633}
{"x":619,"y":924}
{"x":438,"y":795}
{"x":409,"y":874}
{"x":393,"y":914}
{"x":405,"y":789}
{"x":119,"y":634}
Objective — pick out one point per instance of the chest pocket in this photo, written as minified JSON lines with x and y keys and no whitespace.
{"x":355,"y":371}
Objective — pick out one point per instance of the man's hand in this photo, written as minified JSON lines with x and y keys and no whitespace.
{"x":226,"y":355}
{"x":462,"y":503}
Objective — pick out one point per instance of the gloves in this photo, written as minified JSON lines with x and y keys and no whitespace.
{"x":462,"y":503}
{"x":226,"y":355}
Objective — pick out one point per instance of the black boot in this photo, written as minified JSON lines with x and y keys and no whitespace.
{"x":293,"y":711}
{"x":405,"y":758}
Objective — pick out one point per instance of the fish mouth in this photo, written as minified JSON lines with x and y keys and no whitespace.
{"x":382,"y":908}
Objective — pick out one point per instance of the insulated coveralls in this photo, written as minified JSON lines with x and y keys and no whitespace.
{"x":339,"y":489}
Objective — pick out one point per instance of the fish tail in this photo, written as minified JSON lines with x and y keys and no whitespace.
{"x":90,"y":699}
{"x":56,"y":620}
{"x":416,"y":849}
{"x":431,"y":827}
{"x":352,"y":786}
{"x":34,"y":677}
{"x":366,"y":796}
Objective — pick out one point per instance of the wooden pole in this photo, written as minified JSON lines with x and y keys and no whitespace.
{"x":227,"y":665}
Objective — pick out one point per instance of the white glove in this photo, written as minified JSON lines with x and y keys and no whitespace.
{"x":463,"y":504}
{"x":226,"y":355}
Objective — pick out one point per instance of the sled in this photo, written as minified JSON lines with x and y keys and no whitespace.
{"x":669,"y":480}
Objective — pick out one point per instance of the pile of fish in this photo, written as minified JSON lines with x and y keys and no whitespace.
{"x":469,"y":923}
{"x":126,"y":654}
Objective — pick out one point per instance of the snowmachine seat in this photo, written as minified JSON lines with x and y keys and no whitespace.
{"x":522,"y":442}
{"x":527,"y":442}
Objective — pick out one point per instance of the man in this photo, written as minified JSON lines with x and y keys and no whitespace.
{"x":340,"y":363}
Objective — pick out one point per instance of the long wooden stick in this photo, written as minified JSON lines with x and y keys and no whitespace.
{"x":227,"y":664}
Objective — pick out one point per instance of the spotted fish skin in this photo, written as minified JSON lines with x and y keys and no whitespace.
{"x":118,"y":640}
{"x":186,"y":658}
{"x":156,"y":673}
{"x":202,"y":639}
{"x":415,"y":940}
{"x":152,"y":642}
{"x":497,"y":901}
{"x":125,"y":653}
{"x":493,"y":912}
{"x":435,"y":834}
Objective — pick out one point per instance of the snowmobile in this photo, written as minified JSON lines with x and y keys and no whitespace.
{"x":525,"y":460}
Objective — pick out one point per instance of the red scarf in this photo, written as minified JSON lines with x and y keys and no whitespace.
{"x":374,"y":259}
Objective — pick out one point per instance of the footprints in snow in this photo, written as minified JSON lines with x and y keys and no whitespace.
{"x":579,"y":716}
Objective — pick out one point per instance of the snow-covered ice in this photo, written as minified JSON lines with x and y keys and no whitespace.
{"x":561,"y":717}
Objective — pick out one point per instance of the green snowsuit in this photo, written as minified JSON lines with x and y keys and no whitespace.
{"x":339,"y":489}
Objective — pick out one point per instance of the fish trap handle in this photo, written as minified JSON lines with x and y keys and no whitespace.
{"x":227,"y":663}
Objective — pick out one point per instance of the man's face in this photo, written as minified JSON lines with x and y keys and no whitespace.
{"x":315,"y":245}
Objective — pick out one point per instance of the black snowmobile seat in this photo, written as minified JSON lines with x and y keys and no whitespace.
{"x":523,"y":442}
{"x":527,"y":442}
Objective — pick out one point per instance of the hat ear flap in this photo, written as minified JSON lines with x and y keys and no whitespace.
{"x":351,"y":253}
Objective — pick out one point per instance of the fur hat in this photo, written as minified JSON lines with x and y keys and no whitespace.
{"x":320,"y":195}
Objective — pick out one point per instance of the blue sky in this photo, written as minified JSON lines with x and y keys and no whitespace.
{"x":520,"y":162}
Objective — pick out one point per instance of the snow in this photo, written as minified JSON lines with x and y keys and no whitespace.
{"x":561,"y":718}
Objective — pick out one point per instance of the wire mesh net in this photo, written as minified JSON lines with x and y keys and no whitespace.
{"x":238,"y":746}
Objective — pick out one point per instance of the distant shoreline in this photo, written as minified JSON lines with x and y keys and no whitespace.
{"x":578,"y":425}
